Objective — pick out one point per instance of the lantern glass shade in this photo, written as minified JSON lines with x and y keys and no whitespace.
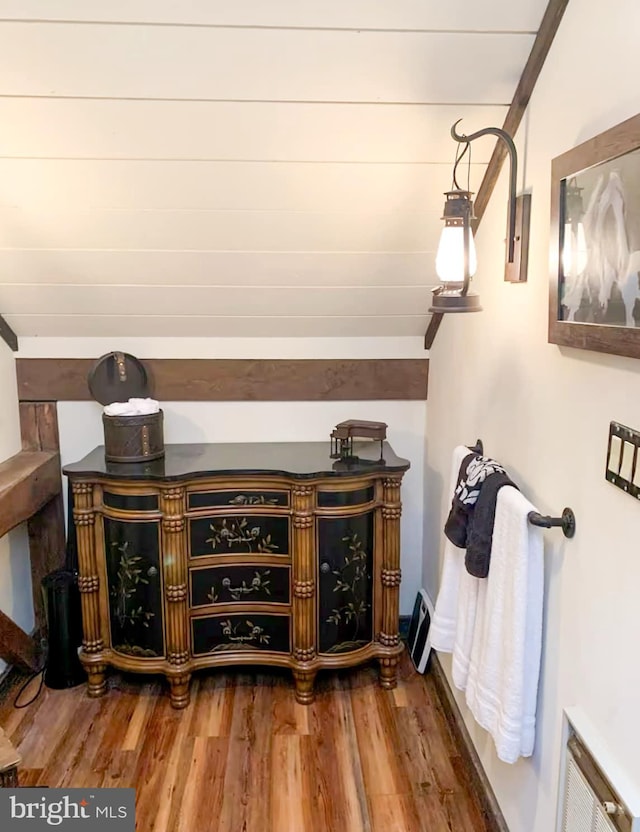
{"x":450,"y":255}
{"x":574,"y":249}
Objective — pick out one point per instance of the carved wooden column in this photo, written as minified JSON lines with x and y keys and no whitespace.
{"x":303,"y":591}
{"x":89,"y":585}
{"x":9,"y":762}
{"x":389,"y":636}
{"x":174,"y":560}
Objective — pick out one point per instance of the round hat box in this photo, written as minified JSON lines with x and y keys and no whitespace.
{"x":118,"y":377}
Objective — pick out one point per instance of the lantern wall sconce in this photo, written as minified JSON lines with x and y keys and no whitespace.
{"x":456,"y":257}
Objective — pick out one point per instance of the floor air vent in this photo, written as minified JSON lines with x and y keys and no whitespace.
{"x":590,"y":803}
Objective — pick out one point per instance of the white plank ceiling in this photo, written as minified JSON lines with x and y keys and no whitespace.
{"x":195,"y":167}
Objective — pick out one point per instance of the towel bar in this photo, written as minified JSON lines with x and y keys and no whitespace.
{"x":567,"y":522}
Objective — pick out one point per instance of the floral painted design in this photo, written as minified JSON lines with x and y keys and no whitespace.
{"x":352,"y":580}
{"x":260,"y":583}
{"x":128,"y":613}
{"x":253,"y":500}
{"x":243,"y":635}
{"x":233,"y":532}
{"x":478,"y":470}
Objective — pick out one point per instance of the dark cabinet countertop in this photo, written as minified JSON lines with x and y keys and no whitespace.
{"x":300,"y":460}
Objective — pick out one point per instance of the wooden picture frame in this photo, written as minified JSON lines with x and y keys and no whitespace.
{"x":594,"y":290}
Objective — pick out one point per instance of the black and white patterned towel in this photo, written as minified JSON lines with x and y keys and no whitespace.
{"x":470,"y":522}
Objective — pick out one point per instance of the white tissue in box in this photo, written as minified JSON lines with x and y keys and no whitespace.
{"x":134,"y":407}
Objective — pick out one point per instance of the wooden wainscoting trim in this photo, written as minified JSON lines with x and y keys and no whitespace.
{"x":476,"y":776}
{"x":28,"y":481}
{"x":196,"y":380}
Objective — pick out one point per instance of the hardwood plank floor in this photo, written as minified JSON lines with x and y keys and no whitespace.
{"x":245,"y":757}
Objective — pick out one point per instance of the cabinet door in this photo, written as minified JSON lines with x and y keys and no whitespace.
{"x":135,"y":591}
{"x":345,"y":581}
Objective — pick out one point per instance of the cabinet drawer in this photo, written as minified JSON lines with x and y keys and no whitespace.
{"x":343,"y":499}
{"x":130,"y":502}
{"x":240,"y":633}
{"x":215,"y":499}
{"x":235,"y":584}
{"x":238,"y":534}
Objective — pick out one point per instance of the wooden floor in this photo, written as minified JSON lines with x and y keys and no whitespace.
{"x":244,"y":757}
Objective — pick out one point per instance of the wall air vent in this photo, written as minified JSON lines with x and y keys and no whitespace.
{"x":590,"y":802}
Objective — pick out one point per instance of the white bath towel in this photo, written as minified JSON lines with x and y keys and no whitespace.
{"x":133,"y":407}
{"x":471,"y":592}
{"x":502,"y":682}
{"x":454,"y":616}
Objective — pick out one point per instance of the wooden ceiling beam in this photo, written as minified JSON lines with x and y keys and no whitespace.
{"x":432,"y":329}
{"x":8,"y":335}
{"x":539,"y":51}
{"x":16,"y":647}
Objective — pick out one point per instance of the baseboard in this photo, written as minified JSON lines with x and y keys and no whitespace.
{"x":477,"y":778}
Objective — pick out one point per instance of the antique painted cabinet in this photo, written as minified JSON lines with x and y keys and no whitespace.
{"x":228,"y":554}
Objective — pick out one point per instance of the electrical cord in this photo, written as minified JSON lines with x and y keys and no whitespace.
{"x":26,"y":684}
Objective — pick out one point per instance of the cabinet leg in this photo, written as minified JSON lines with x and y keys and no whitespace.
{"x":180,"y":694}
{"x":388,"y":672}
{"x":97,"y":681}
{"x":304,"y":680}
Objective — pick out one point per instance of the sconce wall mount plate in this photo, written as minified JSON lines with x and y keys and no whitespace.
{"x":516,"y":271}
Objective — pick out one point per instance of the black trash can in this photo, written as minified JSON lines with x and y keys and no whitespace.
{"x":64,"y":625}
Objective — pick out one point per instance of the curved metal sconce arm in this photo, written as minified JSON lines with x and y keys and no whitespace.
{"x":513,"y":174}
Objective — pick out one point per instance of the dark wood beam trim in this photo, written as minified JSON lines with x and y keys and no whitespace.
{"x":47,"y":551}
{"x":191,"y":380}
{"x":539,"y":51}
{"x":475,"y":773}
{"x":8,"y":335}
{"x":47,"y":540}
{"x":39,"y":426}
{"x":28,"y":481}
{"x":16,"y":647}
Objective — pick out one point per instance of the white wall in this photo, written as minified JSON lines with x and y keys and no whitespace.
{"x":81,"y":425}
{"x":544,"y":412}
{"x":15,"y":570}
